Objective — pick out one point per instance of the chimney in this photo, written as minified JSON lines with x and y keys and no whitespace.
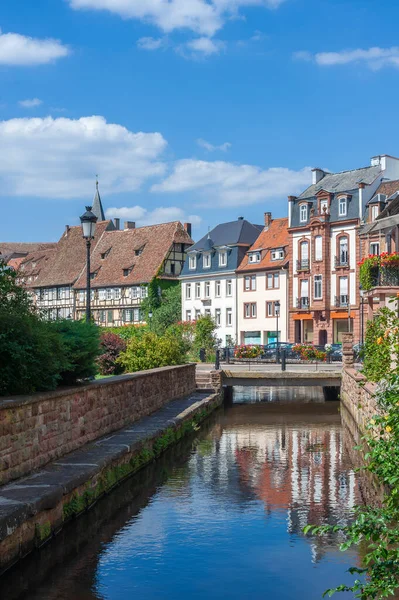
{"x":240,"y":218}
{"x":67,"y":228}
{"x":129,"y":225}
{"x":187,"y":227}
{"x":268,"y":219}
{"x":117,"y":223}
{"x":317,"y":175}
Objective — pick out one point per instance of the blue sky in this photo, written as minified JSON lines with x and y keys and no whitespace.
{"x":192,"y":109}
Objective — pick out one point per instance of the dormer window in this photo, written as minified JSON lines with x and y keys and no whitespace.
{"x":139,"y":251}
{"x":375,"y":211}
{"x":206,"y":260}
{"x":323,"y":206}
{"x":343,"y":207}
{"x":223,"y":258}
{"x":303,"y":213}
{"x":127,"y":271}
{"x":105,"y":254}
{"x":192,"y":262}
{"x":254,"y":257}
{"x":277,"y":254}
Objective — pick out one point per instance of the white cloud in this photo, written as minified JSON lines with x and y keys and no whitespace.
{"x":202,"y":46}
{"x":143,"y":216}
{"x":374,"y":58}
{"x":32,"y":103}
{"x":20,"y":50}
{"x":58,"y":158}
{"x":150,"y":43}
{"x":211,"y":148}
{"x":229,"y":184}
{"x":204,"y":17}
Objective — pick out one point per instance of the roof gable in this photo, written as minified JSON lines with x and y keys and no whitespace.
{"x":343,"y":181}
{"x":272,"y":238}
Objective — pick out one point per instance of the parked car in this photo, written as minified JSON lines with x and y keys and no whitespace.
{"x":270,"y":350}
{"x":336,"y":352}
{"x":358,"y":350}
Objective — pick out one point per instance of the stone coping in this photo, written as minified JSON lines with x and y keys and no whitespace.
{"x":15,"y":401}
{"x":28,"y":497}
{"x":281,"y":374}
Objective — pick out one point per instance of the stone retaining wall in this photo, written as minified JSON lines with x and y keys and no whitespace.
{"x":357,"y":394}
{"x":37,"y":429}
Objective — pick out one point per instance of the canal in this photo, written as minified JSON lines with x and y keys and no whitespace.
{"x":220,"y":515}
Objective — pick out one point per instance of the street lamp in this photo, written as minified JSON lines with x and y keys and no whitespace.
{"x":277,"y":311}
{"x":88,"y":221}
{"x":150,"y":319}
{"x":361,"y":315}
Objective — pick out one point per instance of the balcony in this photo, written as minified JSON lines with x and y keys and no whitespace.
{"x":387,"y":276}
{"x":302,"y":265}
{"x":342,"y":301}
{"x":303,"y":303}
{"x":342,"y":260}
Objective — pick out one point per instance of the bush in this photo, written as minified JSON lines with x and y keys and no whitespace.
{"x":204,"y":336}
{"x":247,"y":351}
{"x":382,"y":344}
{"x":31,"y":354}
{"x":309,"y":352}
{"x":111,"y":345}
{"x":150,"y":352}
{"x":80,"y":348}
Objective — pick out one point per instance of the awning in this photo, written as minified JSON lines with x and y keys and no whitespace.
{"x":339,"y":315}
{"x":303,"y":318}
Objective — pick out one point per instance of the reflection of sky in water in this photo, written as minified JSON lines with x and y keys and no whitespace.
{"x":298,"y":393}
{"x":228,"y":523}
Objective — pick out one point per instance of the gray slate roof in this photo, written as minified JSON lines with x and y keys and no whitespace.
{"x":97,"y":208}
{"x":342,"y":182}
{"x":234,"y":232}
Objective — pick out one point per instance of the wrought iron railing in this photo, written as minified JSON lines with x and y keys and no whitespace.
{"x":303,"y":265}
{"x":341,"y":301}
{"x":385,"y":276}
{"x":302,"y":302}
{"x":342,"y":260}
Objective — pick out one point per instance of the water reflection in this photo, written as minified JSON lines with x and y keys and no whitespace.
{"x":252,"y":394}
{"x":220,"y":517}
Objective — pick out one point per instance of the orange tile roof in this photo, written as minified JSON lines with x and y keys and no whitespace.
{"x":34,"y":265}
{"x":388,"y":187}
{"x":119,"y":251}
{"x":276,"y":236}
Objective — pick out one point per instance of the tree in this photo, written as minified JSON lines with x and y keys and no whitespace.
{"x":165,"y":308}
{"x":205,"y":333}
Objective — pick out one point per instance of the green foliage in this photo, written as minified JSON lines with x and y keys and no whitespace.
{"x":111,"y":345}
{"x":204,"y":336}
{"x":309,"y":352}
{"x":382,"y":344}
{"x":370,"y":266}
{"x":165,"y":307}
{"x":376,"y":528}
{"x":128,"y":331}
{"x":246,"y":351}
{"x":80,"y":348}
{"x":31,"y":354}
{"x":13,"y":297}
{"x":151,"y":351}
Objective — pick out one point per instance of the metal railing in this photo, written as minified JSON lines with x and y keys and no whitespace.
{"x":385,"y":277}
{"x":341,"y":301}
{"x":342,"y":260}
{"x":303,"y":265}
{"x":302,"y":302}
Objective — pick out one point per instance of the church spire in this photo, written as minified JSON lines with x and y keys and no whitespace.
{"x":97,"y":208}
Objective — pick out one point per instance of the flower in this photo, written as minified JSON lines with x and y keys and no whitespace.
{"x":379,"y":341}
{"x":388,"y":428}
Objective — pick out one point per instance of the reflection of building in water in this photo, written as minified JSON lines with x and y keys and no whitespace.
{"x":301,"y":470}
{"x":252,"y":394}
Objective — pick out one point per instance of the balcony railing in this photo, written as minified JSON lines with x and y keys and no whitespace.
{"x":302,"y":302}
{"x":303,"y":265}
{"x":342,"y":301}
{"x":385,"y":276}
{"x":342,"y":260}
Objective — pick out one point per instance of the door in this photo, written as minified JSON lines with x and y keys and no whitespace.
{"x":298,"y":339}
{"x":322,"y":337}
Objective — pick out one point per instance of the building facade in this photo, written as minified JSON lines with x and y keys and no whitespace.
{"x":325,"y":248}
{"x":209,"y":281}
{"x":262,"y":283}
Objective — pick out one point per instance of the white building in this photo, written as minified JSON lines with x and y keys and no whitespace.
{"x":209,"y":281}
{"x":262,"y":284}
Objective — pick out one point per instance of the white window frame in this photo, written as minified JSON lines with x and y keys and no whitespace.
{"x":198,"y":290}
{"x":303,"y":213}
{"x":254,"y":257}
{"x":277,"y":254}
{"x":343,"y":207}
{"x":318,"y":251}
{"x":229,"y":288}
{"x":144,"y":291}
{"x":197,"y":314}
{"x":218,"y":288}
{"x":318,"y":287}
{"x":109,"y":294}
{"x":229,"y":317}
{"x":206,"y":260}
{"x":192,"y":262}
{"x":188,"y":291}
{"x":102,"y":294}
{"x":207,"y":289}
{"x":269,"y":309}
{"x":117,"y":293}
{"x":375,"y":211}
{"x":188,"y":315}
{"x":218,"y":317}
{"x":375,"y":246}
{"x":223,"y":258}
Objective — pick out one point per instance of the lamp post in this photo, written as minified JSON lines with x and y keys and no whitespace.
{"x":361,"y":315}
{"x":277,"y":311}
{"x":150,"y":319}
{"x":88,"y":221}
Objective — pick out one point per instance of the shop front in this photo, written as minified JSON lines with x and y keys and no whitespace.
{"x":303,"y":329}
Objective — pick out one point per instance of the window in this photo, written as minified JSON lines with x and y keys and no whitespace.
{"x":198,"y":290}
{"x":250,"y":283}
{"x":117,"y":293}
{"x":110,"y":294}
{"x":250,"y":310}
{"x":223,"y":258}
{"x":134,"y":292}
{"x":192,"y":262}
{"x":144,"y":291}
{"x":375,"y":248}
{"x":197,"y":314}
{"x":229,"y":287}
{"x":217,"y":289}
{"x":206,"y":260}
{"x":254,"y":257}
{"x":110,"y":316}
{"x":374,"y":212}
{"x":207,"y":289}
{"x":277,"y":254}
{"x":188,"y":315}
{"x":269,"y":309}
{"x":318,"y":247}
{"x":188,"y":291}
{"x":343,"y":251}
{"x":229,"y":317}
{"x":343,"y":291}
{"x":273,"y":281}
{"x":102,"y":294}
{"x":276,"y":280}
{"x":102,"y":316}
{"x":342,"y":207}
{"x":218,"y":316}
{"x":81,"y":296}
{"x":318,"y":287}
{"x":208,"y":312}
{"x":139,"y":251}
{"x":323,"y":206}
{"x":136,"y":315}
{"x":303,"y":213}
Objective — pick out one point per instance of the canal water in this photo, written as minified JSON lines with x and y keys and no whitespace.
{"x":219,"y":516}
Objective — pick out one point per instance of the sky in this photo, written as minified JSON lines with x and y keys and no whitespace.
{"x":196,"y":110}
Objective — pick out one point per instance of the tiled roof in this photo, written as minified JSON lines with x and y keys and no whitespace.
{"x":119,"y":251}
{"x":234,"y":232}
{"x":342,"y":182}
{"x":10,"y":250}
{"x":69,"y":259}
{"x":275,"y":237}
{"x":388,"y":187}
{"x":35,"y":264}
